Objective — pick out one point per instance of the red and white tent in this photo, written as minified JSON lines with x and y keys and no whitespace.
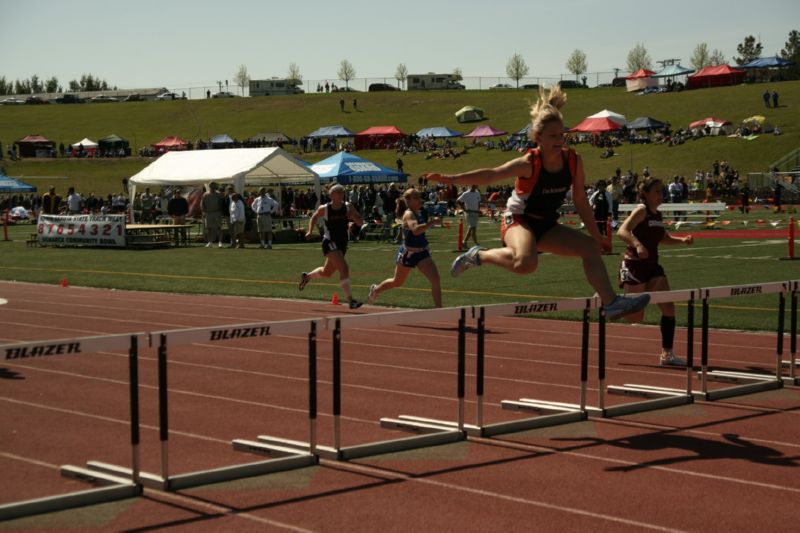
{"x":168,"y":144}
{"x":596,"y":125}
{"x":641,"y":79}
{"x":718,"y":126}
{"x":485,"y":130}
{"x":378,"y":137}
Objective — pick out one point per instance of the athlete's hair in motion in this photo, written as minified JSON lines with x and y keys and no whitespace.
{"x":402,"y":202}
{"x":546,"y":108}
{"x":646,"y":185}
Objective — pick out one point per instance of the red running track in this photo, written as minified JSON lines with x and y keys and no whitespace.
{"x":706,"y":466}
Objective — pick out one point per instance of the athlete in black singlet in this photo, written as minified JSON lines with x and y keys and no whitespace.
{"x":336,"y":216}
{"x":543,"y":178}
{"x":640,"y":271}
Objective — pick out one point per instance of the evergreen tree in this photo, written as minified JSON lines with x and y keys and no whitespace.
{"x":748,"y":50}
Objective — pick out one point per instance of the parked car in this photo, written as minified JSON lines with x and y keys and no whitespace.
{"x":571,"y":84}
{"x":223,"y":94}
{"x":382,"y":87}
{"x":70,"y":99}
{"x":134,"y":98}
{"x":501,"y":86}
{"x":35,"y":100}
{"x":533,"y":86}
{"x":103,"y":99}
{"x":174,"y":96}
{"x":455,"y":85}
{"x":345,"y":90}
{"x":12,"y":101}
{"x":618,"y":82}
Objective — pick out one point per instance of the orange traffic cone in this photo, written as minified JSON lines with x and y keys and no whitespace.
{"x":335,"y":299}
{"x":64,"y":282}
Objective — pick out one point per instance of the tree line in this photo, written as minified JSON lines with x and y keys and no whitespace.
{"x":36,"y":85}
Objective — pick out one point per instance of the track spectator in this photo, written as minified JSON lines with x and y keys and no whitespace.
{"x":178,"y":208}
{"x":264,"y":206}
{"x":211,"y":207}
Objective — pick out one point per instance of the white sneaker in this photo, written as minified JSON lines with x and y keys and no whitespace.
{"x":670,"y":359}
{"x":625,"y":304}
{"x":208,"y":245}
{"x":220,"y":245}
{"x":466,"y":260}
{"x":372,"y":294}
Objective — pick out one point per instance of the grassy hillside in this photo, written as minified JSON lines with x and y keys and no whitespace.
{"x":147,"y":122}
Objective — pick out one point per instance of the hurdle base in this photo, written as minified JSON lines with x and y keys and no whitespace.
{"x":657,"y":398}
{"x":418,"y":424}
{"x":361,"y":451}
{"x":788,"y":364}
{"x":147,"y":479}
{"x":114,"y":492}
{"x":749,"y":384}
{"x":551,"y":414}
{"x":791,"y":382}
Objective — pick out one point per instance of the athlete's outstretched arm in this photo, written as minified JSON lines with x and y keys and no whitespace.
{"x":313,"y":222}
{"x":519,"y":167}
{"x":354,"y":215}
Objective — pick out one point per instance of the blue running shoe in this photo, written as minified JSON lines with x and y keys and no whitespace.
{"x":466,"y":260}
{"x":625,"y":304}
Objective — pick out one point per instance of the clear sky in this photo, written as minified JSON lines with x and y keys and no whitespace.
{"x":178,"y":44}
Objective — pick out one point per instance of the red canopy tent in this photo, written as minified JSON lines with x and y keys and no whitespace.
{"x":715,"y":77}
{"x":641,"y":73}
{"x":168,"y":144}
{"x":35,"y":146}
{"x":596,"y":125}
{"x":378,"y":137}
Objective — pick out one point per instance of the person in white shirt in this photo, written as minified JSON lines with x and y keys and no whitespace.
{"x":471,"y":202}
{"x":237,"y":215}
{"x":74,"y":202}
{"x":264,"y":206}
{"x":676,"y":194}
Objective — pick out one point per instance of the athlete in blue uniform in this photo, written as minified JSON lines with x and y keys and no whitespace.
{"x":640,"y":271}
{"x":414,"y":251}
{"x":336,"y":216}
{"x":543,"y":178}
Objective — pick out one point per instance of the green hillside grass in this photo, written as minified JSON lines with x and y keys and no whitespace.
{"x":147,"y":122}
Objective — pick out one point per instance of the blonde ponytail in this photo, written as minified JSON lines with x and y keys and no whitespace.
{"x":546,"y":108}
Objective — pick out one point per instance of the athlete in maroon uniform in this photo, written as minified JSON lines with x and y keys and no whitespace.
{"x":543,"y":178}
{"x":643,"y":231}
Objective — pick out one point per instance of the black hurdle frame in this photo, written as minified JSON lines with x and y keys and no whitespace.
{"x":430,"y":432}
{"x":114,"y":486}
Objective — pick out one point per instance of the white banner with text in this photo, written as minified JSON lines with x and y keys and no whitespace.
{"x":82,"y":230}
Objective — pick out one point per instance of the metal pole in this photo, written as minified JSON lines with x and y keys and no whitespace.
{"x":689,"y":343}
{"x":584,"y":355}
{"x":480,"y":361}
{"x":779,"y":349}
{"x":163,"y":408}
{"x":312,"y":389}
{"x":462,"y":338}
{"x":337,"y":384}
{"x":704,"y":345}
{"x":601,"y":359}
{"x":793,"y":330}
{"x":133,"y":372}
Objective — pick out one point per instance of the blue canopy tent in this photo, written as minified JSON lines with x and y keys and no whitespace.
{"x":768,"y":62}
{"x":12,"y":186}
{"x":438,"y":132}
{"x":349,"y":169}
{"x":671,"y":71}
{"x":332,"y":131}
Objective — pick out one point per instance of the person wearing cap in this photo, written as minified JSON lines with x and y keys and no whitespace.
{"x":264,"y":206}
{"x":336,"y":216}
{"x":211,"y":207}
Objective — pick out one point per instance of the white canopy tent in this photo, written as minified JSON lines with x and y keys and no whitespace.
{"x":237,"y":166}
{"x":615,"y":117}
{"x":86,"y":143}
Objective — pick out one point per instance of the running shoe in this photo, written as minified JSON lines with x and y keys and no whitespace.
{"x":466,"y":260}
{"x":355,"y":304}
{"x":668,"y":358}
{"x":372,"y":294}
{"x":304,"y":279}
{"x":625,"y":304}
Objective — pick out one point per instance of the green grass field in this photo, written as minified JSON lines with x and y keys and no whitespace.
{"x":147,"y":122}
{"x":274,"y":273}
